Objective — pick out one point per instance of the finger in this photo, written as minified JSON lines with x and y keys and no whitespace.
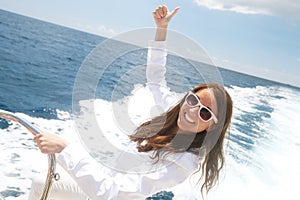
{"x":43,"y":146}
{"x":165,"y":10}
{"x":37,"y":138}
{"x":156,"y":13}
{"x":174,"y":11}
{"x":157,"y":16}
{"x":39,"y":146}
{"x":39,"y":135}
{"x":160,"y":11}
{"x":44,"y":149}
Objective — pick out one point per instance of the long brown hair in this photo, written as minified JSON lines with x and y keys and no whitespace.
{"x":160,"y":135}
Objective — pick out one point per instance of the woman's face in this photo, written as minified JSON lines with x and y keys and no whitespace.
{"x":188,"y":119}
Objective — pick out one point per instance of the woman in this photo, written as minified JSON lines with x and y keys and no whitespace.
{"x":192,"y":131}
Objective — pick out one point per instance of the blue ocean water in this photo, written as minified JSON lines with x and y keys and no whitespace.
{"x":39,"y":62}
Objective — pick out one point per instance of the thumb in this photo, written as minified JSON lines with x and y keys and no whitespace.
{"x":36,"y":138}
{"x":174,"y":11}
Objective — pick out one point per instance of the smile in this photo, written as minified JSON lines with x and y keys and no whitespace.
{"x":188,"y":118}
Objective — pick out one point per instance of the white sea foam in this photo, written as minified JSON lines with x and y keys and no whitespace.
{"x":267,"y":170}
{"x":273,"y":172}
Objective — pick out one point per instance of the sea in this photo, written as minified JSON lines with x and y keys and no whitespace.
{"x":39,"y":64}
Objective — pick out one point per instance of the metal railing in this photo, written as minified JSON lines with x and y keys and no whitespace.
{"x":51,"y":157}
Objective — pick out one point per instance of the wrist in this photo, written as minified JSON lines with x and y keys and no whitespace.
{"x":162,"y":26}
{"x":161,"y":34}
{"x":63,"y":145}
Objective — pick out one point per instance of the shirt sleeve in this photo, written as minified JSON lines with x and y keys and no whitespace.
{"x":101,"y":182}
{"x":155,"y":73}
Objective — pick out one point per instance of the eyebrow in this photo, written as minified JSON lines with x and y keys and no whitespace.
{"x":203,"y":104}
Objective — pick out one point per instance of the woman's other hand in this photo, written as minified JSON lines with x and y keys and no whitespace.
{"x":50,"y":143}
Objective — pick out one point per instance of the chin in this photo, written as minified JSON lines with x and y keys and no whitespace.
{"x":184,"y":129}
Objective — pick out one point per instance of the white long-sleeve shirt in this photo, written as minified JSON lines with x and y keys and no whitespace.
{"x":102,"y":182}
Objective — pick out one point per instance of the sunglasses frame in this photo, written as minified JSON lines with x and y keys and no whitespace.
{"x":213,"y":116}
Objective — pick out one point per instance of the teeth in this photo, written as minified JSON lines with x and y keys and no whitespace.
{"x":188,"y":118}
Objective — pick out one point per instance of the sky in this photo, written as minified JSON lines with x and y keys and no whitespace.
{"x":257,"y":37}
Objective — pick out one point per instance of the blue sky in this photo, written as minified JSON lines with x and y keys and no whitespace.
{"x":258,"y":37}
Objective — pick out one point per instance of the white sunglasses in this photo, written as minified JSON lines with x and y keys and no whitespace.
{"x":205,"y":114}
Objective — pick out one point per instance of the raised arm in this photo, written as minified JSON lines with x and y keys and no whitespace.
{"x":162,"y":18}
{"x":157,"y":57}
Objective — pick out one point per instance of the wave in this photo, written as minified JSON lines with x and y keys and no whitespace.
{"x":267,"y":170}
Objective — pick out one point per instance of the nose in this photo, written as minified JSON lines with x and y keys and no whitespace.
{"x":194,"y":111}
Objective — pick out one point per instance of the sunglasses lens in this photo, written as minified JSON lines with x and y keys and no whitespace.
{"x":205,"y":114}
{"x":192,"y":100}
